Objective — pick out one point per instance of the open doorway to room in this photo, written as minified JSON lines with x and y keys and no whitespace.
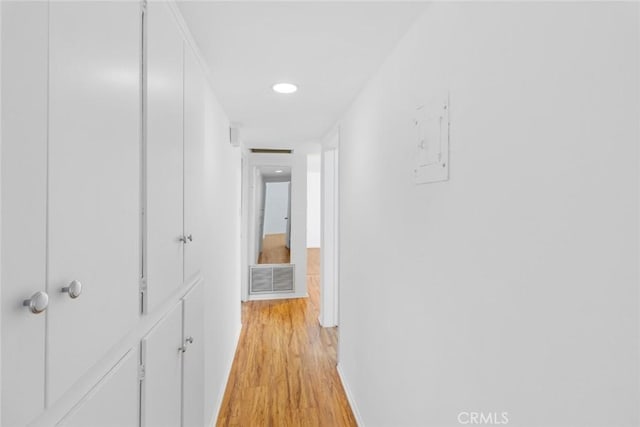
{"x":314,"y":215}
{"x":275,"y":226}
{"x":275,"y":221}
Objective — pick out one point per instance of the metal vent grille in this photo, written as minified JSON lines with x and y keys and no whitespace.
{"x":266,"y":278}
{"x":282,"y":279}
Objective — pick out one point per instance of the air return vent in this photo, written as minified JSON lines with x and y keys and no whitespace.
{"x":270,"y":151}
{"x":268,"y":278}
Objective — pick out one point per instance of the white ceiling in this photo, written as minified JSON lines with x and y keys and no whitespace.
{"x":328,"y":49}
{"x":269,"y":173}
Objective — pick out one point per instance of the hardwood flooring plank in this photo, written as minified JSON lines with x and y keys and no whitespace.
{"x":284,"y":371}
{"x":274,"y":250}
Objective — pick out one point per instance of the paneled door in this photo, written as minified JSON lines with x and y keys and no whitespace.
{"x":114,"y":402}
{"x":24,"y":207}
{"x":164,"y":239}
{"x":193,"y":358}
{"x":94,"y":184}
{"x":162,"y":359}
{"x":195,"y":87}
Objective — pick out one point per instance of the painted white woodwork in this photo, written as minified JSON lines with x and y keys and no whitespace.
{"x":73,"y":192}
{"x":193,"y":358}
{"x":288,"y":217}
{"x":329,"y":253}
{"x":24,"y":162}
{"x":114,"y":401}
{"x":194,"y":137}
{"x":162,"y":359}
{"x":164,"y":155}
{"x":94,"y":173}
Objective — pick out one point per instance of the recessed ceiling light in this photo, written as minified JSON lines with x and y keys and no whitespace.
{"x":279,"y":171}
{"x":285,"y":88}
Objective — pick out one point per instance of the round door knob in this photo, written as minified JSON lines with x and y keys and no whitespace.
{"x":37,"y":303}
{"x":190,"y":238}
{"x":189,"y":340}
{"x":74,"y":289}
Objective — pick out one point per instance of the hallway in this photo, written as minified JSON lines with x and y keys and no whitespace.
{"x":275,"y":250}
{"x":284,"y":372}
{"x":471,"y":171}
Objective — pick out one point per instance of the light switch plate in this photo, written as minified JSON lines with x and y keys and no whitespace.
{"x":431,"y":139}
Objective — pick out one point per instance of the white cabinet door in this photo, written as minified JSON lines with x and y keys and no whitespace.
{"x":114,"y":402}
{"x":195,"y":87}
{"x":164,"y":155}
{"x":24,"y":186}
{"x":94,"y":176}
{"x":193,"y":358}
{"x":162,"y":359}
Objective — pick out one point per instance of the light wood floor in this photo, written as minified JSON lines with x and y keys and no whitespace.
{"x":284,"y":372}
{"x":274,"y":250}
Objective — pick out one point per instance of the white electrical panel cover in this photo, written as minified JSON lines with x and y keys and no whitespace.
{"x":431,"y":137}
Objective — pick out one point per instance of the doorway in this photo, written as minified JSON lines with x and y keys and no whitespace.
{"x":275,"y":247}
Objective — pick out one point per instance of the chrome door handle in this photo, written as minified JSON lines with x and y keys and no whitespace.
{"x":183,"y":239}
{"x":37,"y":303}
{"x":189,"y":340}
{"x":190,"y":238}
{"x":74,"y":289}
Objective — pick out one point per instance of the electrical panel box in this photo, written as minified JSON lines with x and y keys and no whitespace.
{"x":431,"y":138}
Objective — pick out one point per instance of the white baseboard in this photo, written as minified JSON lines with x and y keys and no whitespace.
{"x":262,"y":297}
{"x":352,"y":402}
{"x":223,"y":386}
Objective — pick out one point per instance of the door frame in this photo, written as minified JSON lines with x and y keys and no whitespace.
{"x":329,"y":232}
{"x":297,"y":161}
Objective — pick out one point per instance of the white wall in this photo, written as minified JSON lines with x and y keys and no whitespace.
{"x":222,"y":257}
{"x":513,"y":287}
{"x":313,"y":200}
{"x":276,"y":207}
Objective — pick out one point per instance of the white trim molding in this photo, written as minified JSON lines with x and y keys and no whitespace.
{"x":350,"y":398}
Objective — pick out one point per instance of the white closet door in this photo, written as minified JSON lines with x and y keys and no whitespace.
{"x":94,"y":176}
{"x":195,"y":87}
{"x":162,"y":360}
{"x":24,"y":186}
{"x":164,"y":155}
{"x":114,"y":402}
{"x":193,"y":358}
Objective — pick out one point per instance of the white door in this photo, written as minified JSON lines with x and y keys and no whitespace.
{"x":194,"y":135}
{"x":164,"y":156}
{"x":193,"y":358}
{"x":162,"y":359}
{"x":113,"y":402}
{"x":94,"y":175}
{"x":24,"y":185}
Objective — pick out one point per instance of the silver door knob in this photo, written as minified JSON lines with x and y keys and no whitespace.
{"x":183,"y":239}
{"x":37,"y":303}
{"x":189,"y":340}
{"x":190,"y":238}
{"x":74,"y":289}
